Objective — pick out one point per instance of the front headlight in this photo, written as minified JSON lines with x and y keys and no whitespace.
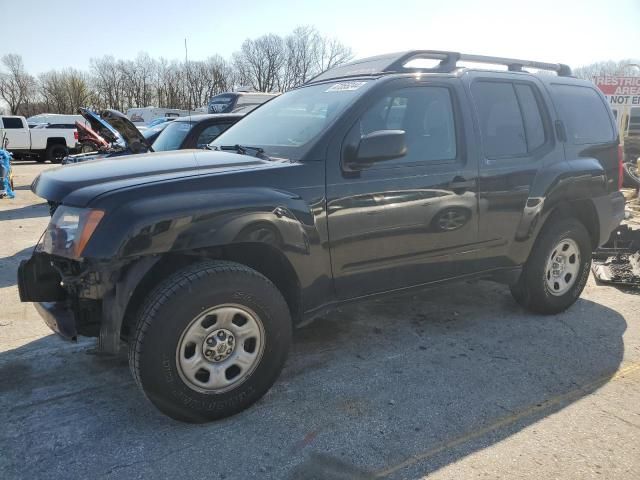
{"x":69,"y":231}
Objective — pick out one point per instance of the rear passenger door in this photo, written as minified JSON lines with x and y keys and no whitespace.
{"x":514,"y":131}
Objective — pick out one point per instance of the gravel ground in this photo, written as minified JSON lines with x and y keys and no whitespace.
{"x":455,"y":382}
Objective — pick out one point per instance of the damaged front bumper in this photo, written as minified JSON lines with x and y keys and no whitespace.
{"x":41,"y":283}
{"x":59,"y":317}
{"x":88,"y":298}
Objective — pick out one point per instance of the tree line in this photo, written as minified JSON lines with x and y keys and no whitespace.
{"x":270,"y":63}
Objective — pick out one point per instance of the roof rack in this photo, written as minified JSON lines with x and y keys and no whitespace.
{"x":395,"y":63}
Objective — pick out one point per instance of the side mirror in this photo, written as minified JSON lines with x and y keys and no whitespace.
{"x":381,"y":145}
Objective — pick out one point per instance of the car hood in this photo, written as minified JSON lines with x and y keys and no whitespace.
{"x":115,"y":127}
{"x":77,"y":184}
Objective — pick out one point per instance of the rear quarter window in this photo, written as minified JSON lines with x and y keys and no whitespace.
{"x":584,"y":113}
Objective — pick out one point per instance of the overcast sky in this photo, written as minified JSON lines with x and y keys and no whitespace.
{"x":67,"y":33}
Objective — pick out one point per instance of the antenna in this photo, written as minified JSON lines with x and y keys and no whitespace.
{"x":186,"y":65}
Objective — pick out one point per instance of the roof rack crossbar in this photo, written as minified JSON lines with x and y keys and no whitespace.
{"x":449,"y":62}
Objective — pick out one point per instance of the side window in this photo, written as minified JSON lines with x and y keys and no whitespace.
{"x":501,"y":124}
{"x":584,"y":113}
{"x":426,"y":116}
{"x":533,"y":125}
{"x":12,"y":122}
{"x":210,"y":133}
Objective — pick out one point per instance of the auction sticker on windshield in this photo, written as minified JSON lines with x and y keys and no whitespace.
{"x":345,"y":86}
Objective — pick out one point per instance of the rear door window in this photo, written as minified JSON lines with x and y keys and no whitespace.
{"x":584,"y":113}
{"x":12,"y":122}
{"x":501,"y":123}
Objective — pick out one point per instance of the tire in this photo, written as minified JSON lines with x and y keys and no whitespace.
{"x":56,"y":153}
{"x":538,"y":288}
{"x":631,"y":177}
{"x":159,"y":348}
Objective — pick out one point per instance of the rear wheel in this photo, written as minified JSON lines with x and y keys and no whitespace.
{"x":210,"y":341}
{"x":557,"y":268}
{"x":56,"y":153}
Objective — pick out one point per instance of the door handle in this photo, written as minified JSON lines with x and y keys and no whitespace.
{"x":459,"y":183}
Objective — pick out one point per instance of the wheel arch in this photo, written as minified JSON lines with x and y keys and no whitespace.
{"x":583,"y":210}
{"x":262,"y":257}
{"x":56,"y":141}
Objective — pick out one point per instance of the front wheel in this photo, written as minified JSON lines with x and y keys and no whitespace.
{"x":557,"y":268}
{"x":210,"y":341}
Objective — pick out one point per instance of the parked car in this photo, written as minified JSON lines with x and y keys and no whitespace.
{"x":124,"y":138}
{"x":88,"y":140}
{"x":196,"y":131}
{"x":373,"y":178}
{"x":119,"y":135}
{"x":232,"y":102}
{"x":40,"y":144}
{"x":151,"y":133}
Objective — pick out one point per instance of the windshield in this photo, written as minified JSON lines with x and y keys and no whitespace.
{"x":151,"y":131}
{"x":287,"y":125}
{"x":221,"y":103}
{"x":172,"y":136}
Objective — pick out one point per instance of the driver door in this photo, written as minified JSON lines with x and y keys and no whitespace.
{"x":411,"y":220}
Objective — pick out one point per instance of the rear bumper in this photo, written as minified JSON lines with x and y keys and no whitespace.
{"x":610,"y":210}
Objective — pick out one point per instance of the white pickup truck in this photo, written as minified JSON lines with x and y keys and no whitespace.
{"x":41,"y":143}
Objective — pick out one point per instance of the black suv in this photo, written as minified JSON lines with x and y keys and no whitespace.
{"x":373,"y":178}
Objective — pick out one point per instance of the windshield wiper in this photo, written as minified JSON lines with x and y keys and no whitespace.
{"x":243,"y":150}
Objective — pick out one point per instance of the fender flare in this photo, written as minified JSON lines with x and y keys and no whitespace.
{"x":114,"y":304}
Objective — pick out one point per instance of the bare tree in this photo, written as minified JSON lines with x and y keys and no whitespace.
{"x":302,"y":48}
{"x":16,"y":85}
{"x":77,"y":89}
{"x":63,"y":91}
{"x":170,"y":86}
{"x":308,"y":53}
{"x":221,"y":76}
{"x":332,"y":54}
{"x":107,"y":81}
{"x":53,"y":91}
{"x":267,"y":63}
{"x":609,"y":67}
{"x":259,"y":62}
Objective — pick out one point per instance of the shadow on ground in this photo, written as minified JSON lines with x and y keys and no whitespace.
{"x":28,"y":211}
{"x":367,"y":392}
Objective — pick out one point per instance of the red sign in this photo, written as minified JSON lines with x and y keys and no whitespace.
{"x":620,"y":90}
